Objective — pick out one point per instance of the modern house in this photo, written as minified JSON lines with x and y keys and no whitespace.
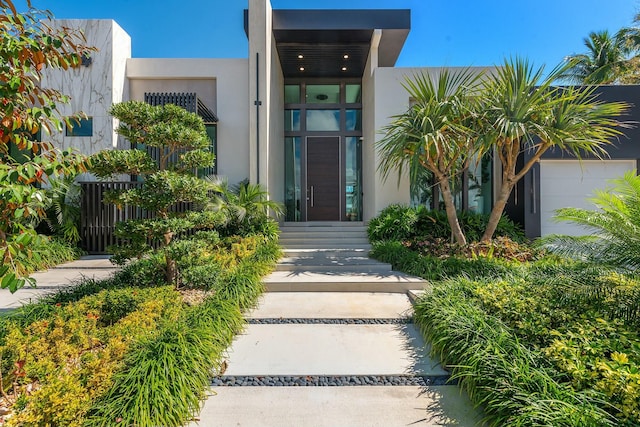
{"x":301,"y":114}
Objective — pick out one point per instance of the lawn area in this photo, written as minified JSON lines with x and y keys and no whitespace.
{"x":534,"y":338}
{"x":132,"y":350}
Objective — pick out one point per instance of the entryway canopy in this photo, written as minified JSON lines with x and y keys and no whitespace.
{"x":336,"y":43}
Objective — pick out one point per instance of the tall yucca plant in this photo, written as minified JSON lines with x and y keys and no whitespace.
{"x":615,"y":227}
{"x":524,"y":112}
{"x":435,"y":133}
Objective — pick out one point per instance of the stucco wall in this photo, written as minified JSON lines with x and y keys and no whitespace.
{"x":368,"y":141}
{"x":222,"y":86}
{"x":276,"y":129}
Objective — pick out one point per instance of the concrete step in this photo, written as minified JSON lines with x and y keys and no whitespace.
{"x":337,"y":406}
{"x":331,"y":305}
{"x":325,"y":246}
{"x":332,"y":252}
{"x":285,"y":281}
{"x":318,"y":234}
{"x":315,"y":262}
{"x":329,"y":349}
{"x":350,"y":227}
{"x":333,"y":224}
{"x":324,"y":241}
{"x":371,"y":268}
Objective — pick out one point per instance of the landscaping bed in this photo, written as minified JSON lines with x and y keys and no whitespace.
{"x":131,"y":350}
{"x":535,"y":341}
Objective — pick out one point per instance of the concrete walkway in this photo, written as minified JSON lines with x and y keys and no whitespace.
{"x":332,"y":358}
{"x":60,"y":277}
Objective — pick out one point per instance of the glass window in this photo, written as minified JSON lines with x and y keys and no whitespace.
{"x":422,"y":188}
{"x":81,"y":127}
{"x":323,"y":94}
{"x":353,"y":94}
{"x":291,"y":120}
{"x":354,"y":120}
{"x":291,"y":94}
{"x":323,"y":120}
{"x":479,"y":174}
{"x":293,"y":178}
{"x":353,"y":179}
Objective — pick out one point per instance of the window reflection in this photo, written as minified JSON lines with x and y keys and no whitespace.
{"x":479,"y":175}
{"x":353,"y":94}
{"x":291,"y":120}
{"x":323,"y":120}
{"x":293,"y":178}
{"x":353,"y":179}
{"x":354,"y":120}
{"x":292,"y":94}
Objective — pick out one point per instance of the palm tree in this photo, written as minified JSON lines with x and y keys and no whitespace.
{"x":243,"y":204}
{"x":435,"y":133}
{"x":632,"y":39}
{"x":523,"y":112}
{"x":615,"y":227}
{"x":606,"y":60}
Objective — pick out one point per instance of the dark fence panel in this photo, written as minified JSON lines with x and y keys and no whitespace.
{"x":98,"y":220}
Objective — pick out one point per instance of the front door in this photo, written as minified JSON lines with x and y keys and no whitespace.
{"x":323,"y":178}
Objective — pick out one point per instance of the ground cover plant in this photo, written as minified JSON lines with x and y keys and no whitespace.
{"x":536,"y":339}
{"x":132,"y":349}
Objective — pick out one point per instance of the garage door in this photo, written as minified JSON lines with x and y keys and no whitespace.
{"x":569,"y":183}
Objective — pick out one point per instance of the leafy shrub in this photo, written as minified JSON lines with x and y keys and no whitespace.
{"x":398,"y":222}
{"x":58,"y":365}
{"x":246,"y":208}
{"x":500,"y":247}
{"x":436,"y":268}
{"x":47,"y":253}
{"x":515,"y":385}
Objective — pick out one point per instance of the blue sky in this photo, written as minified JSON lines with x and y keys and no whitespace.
{"x":444,"y":32}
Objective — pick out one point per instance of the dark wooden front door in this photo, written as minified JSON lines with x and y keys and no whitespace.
{"x":323,"y":178}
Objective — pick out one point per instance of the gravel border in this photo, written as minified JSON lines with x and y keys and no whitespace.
{"x":342,"y":321}
{"x":331,"y":380}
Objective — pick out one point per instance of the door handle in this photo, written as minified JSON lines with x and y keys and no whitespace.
{"x":311,"y":198}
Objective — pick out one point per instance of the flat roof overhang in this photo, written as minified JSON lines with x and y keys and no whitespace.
{"x":336,"y":43}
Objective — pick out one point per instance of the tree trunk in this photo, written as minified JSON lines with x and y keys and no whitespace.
{"x":171,"y":272}
{"x":450,"y":208}
{"x":498,"y":209}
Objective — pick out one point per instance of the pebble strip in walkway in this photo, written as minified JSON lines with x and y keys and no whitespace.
{"x":370,"y":369}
